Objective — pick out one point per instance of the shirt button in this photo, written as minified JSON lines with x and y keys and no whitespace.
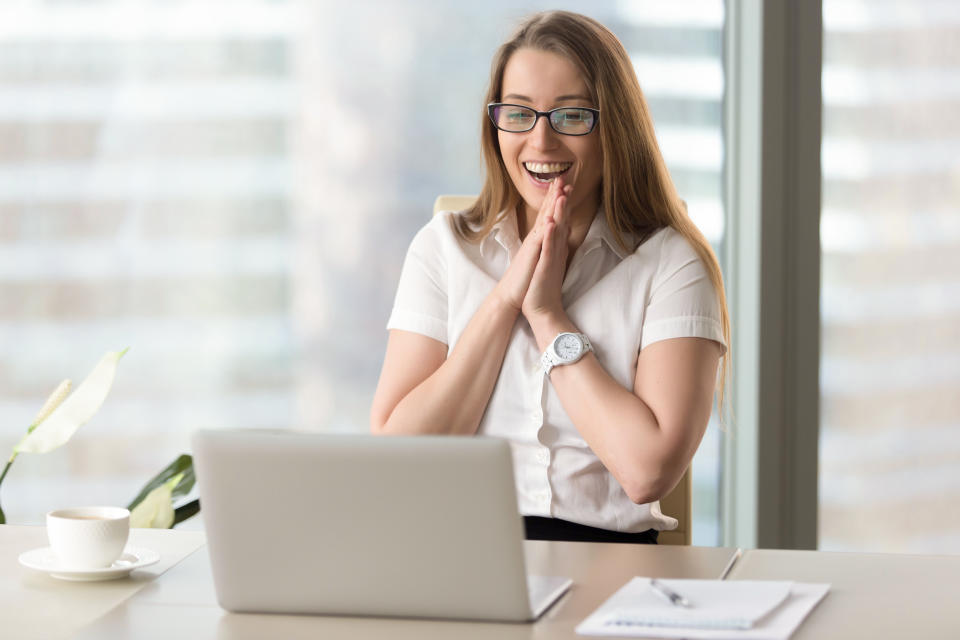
{"x":543,"y":457}
{"x":536,"y":417}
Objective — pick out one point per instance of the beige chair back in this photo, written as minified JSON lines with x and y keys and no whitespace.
{"x":677,"y":504}
{"x":452,"y":203}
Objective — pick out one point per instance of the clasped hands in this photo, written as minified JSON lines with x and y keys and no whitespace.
{"x":533,"y":281}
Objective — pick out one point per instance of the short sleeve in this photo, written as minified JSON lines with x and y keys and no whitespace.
{"x":420,"y":305}
{"x":683,"y":301}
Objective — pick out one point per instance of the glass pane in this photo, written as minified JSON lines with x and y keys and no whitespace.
{"x":677,"y":51}
{"x":890,"y":234}
{"x":229,"y":190}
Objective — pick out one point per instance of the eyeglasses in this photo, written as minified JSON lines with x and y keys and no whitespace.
{"x":570,"y":121}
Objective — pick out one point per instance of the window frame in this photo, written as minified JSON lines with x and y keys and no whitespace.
{"x":769,"y":483}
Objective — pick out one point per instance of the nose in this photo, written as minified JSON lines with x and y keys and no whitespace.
{"x":542,"y":136}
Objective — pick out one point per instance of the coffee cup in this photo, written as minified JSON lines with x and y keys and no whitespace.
{"x":88,"y":537}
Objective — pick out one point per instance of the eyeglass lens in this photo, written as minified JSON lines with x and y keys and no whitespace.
{"x":571,"y":120}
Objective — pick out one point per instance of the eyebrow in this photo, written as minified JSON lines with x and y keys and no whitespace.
{"x":572,"y":96}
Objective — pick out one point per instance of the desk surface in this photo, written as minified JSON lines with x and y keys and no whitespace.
{"x":183,"y":603}
{"x":34,"y":605}
{"x":872,"y":595}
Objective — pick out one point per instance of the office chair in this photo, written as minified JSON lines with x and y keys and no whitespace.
{"x":676,"y":504}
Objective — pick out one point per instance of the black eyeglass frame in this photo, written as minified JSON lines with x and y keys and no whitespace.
{"x":548,"y":114}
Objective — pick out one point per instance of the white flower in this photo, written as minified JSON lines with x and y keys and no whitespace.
{"x":60,"y":418}
{"x":156,"y":510}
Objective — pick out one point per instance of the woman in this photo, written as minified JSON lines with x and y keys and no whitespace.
{"x":574,"y":310}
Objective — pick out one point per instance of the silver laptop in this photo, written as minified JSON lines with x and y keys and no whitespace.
{"x":423,"y":526}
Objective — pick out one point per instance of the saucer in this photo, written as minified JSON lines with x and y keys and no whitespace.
{"x":132,"y":558}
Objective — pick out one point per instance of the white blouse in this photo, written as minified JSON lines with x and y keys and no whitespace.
{"x":622,"y":301}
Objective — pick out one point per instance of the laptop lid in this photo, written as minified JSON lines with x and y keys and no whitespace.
{"x":423,"y":526}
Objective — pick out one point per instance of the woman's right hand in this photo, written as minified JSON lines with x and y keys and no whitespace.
{"x":512,"y":288}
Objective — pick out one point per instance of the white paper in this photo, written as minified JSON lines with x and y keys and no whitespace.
{"x":779,"y":624}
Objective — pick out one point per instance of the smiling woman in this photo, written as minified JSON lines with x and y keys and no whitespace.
{"x":574,"y":310}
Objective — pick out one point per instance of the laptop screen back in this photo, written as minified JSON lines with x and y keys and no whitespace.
{"x":362,"y":525}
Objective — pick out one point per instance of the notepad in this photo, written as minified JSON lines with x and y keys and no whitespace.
{"x":720,"y":609}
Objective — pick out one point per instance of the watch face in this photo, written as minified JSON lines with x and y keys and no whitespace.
{"x":568,"y":346}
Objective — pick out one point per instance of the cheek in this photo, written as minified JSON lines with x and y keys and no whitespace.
{"x":592,"y":159}
{"x":508,"y":154}
{"x":507,"y":147}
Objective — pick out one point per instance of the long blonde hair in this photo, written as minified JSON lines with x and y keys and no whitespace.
{"x":637,"y":193}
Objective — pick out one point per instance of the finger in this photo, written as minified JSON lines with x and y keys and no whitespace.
{"x":528,"y":256}
{"x":546,"y":248}
{"x":558,"y":240}
{"x":555,"y":247}
{"x":560,"y":210}
{"x":549,"y":232}
{"x":565,"y":195}
{"x":549,"y":201}
{"x":532,"y":242}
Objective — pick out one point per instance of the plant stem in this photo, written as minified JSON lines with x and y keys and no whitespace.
{"x":7,"y":468}
{"x":3,"y":518}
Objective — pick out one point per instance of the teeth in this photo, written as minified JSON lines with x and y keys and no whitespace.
{"x":547,"y":167}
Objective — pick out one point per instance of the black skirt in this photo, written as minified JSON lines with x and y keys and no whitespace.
{"x":538,"y":528}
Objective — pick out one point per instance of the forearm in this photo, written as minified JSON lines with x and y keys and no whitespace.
{"x":619,"y":427}
{"x":453,"y":398}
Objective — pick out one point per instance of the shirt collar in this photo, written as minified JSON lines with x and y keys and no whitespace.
{"x":600,"y":233}
{"x":505,"y":233}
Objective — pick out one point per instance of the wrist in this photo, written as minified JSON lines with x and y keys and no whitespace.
{"x":546,"y":327}
{"x":501,"y":303}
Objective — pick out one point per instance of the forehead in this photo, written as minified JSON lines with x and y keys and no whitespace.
{"x":542,"y":76}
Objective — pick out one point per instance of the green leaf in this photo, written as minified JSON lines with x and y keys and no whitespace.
{"x":185,"y":512}
{"x":62,"y":422}
{"x":182,"y":466}
{"x":156,"y":510}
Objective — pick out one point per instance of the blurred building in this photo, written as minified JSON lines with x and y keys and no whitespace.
{"x":229,"y":188}
{"x":890,"y":293}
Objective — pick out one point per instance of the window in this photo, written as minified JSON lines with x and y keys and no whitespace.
{"x":229,"y":190}
{"x":890,"y":236}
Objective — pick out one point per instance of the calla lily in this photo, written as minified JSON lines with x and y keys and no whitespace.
{"x":156,"y":510}
{"x":58,"y":421}
{"x":63,"y":414}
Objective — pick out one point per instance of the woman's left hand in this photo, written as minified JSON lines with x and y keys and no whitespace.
{"x":543,"y":295}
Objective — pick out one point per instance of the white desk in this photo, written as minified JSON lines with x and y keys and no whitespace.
{"x":873,"y":595}
{"x":183,"y":604}
{"x":34,"y":605}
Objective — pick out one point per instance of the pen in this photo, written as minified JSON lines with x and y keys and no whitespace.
{"x":675,"y":598}
{"x":733,"y":561}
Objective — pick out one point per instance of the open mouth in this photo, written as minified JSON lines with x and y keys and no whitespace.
{"x":546,"y":172}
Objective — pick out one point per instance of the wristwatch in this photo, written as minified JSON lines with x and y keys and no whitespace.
{"x":566,"y":348}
